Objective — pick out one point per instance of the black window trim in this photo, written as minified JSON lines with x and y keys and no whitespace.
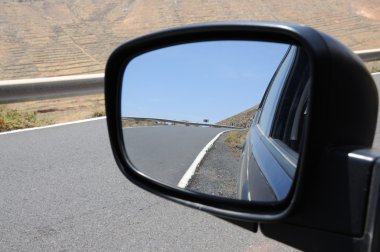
{"x":263,"y":101}
{"x":284,"y":155}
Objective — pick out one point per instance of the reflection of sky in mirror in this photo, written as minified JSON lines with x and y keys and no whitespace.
{"x":205,"y":80}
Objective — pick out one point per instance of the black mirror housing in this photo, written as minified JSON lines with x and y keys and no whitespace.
{"x":343,"y":116}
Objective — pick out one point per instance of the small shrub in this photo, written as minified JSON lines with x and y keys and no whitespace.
{"x":12,"y":119}
{"x":236,"y":138}
{"x":98,"y":114}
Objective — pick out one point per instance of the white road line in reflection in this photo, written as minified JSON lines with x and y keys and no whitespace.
{"x":193,"y":167}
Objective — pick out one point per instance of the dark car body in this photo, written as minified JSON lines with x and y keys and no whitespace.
{"x":270,"y":153}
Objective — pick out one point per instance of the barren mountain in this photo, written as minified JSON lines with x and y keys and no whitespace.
{"x":52,"y":38}
{"x":243,"y":119}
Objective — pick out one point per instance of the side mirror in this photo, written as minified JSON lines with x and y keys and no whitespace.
{"x":167,"y":92}
{"x":235,"y":119}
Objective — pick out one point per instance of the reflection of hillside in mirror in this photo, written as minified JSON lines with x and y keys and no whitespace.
{"x":218,"y":173}
{"x":188,"y":117}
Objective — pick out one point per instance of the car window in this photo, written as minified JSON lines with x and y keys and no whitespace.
{"x":285,"y":107}
{"x":275,"y":89}
{"x":293,"y":104}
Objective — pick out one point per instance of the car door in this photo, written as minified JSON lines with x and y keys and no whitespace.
{"x":270,"y":155}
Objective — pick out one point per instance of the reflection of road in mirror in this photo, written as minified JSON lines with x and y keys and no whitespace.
{"x":200,"y":157}
{"x":186,"y":111}
{"x":217,"y":174}
{"x":165,"y":153}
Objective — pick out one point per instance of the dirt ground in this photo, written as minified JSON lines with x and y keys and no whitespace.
{"x":56,"y":38}
{"x":63,"y":109}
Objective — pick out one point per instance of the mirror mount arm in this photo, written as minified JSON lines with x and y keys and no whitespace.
{"x":360,"y":179}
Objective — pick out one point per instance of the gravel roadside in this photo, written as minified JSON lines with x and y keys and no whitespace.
{"x":217,"y":174}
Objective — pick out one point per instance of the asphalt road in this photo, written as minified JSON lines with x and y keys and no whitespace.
{"x":60,"y":190}
{"x":376,"y":142}
{"x":166,"y":152}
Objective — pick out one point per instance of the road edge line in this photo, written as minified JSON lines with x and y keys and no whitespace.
{"x":52,"y":125}
{"x":193,"y":167}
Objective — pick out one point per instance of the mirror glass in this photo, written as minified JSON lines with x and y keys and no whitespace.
{"x":222,"y":118}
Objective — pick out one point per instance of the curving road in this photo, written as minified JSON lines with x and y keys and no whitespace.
{"x":60,"y":190}
{"x":166,"y":152}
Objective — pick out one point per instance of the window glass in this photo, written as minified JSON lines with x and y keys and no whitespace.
{"x":293,"y":103}
{"x":270,"y":103}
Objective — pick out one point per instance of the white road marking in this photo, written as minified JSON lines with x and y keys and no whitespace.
{"x":358,"y":156}
{"x":191,"y":170}
{"x":51,"y":79}
{"x":52,"y":126}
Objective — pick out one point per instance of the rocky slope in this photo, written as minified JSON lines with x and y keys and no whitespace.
{"x":53,"y":38}
{"x":243,"y":119}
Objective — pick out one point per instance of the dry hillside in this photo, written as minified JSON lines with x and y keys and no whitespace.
{"x":53,"y":38}
{"x":243,"y":119}
{"x":42,"y":38}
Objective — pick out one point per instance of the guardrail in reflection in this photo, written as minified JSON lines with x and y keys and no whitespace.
{"x":159,"y":121}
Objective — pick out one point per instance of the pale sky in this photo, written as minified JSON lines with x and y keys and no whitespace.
{"x":204,"y":80}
